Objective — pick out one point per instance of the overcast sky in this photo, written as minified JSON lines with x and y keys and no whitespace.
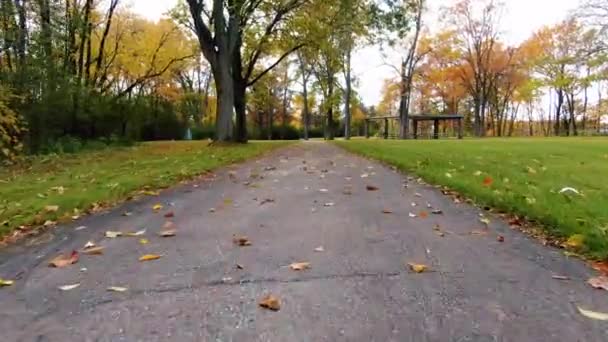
{"x":521,"y":19}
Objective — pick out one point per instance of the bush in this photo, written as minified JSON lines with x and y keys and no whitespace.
{"x":12,"y":128}
{"x":203,"y":133}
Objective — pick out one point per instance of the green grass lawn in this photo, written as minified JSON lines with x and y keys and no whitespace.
{"x":76,"y":182}
{"x":526,"y":176}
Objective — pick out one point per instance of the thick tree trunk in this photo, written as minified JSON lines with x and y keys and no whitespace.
{"x":225,"y":100}
{"x":240,"y":100}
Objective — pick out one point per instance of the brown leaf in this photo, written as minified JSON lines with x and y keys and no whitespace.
{"x":98,"y":250}
{"x":51,"y":208}
{"x":559,"y":277}
{"x":479,"y":232}
{"x":267,"y":200}
{"x":241,"y":241}
{"x":372,"y":188}
{"x":239,"y":267}
{"x":149,"y":257}
{"x":170,"y":214}
{"x":387,"y":211}
{"x":270,"y":302}
{"x":600,"y":282}
{"x":437,"y":212}
{"x":300,"y":266}
{"x":500,"y":238}
{"x":601,"y":266}
{"x":64,"y":260}
{"x":168,"y":233}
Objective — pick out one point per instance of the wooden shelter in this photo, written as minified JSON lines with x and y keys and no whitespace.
{"x":415,"y":119}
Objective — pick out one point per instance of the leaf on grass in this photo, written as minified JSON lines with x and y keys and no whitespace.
{"x":157,"y":207}
{"x":241,"y":241}
{"x":136,"y":234}
{"x":270,"y":302}
{"x":96,"y":250}
{"x":371,"y":188}
{"x":569,"y":190}
{"x":112,"y":234}
{"x":448,"y":175}
{"x":6,"y":282}
{"x":64,"y":260}
{"x":487,"y":182}
{"x":575,"y":241}
{"x":593,"y":314}
{"x":300,"y":266}
{"x":69,"y":287}
{"x":418,"y":268}
{"x":117,"y":289}
{"x":600,"y":282}
{"x":530,"y":170}
{"x":320,"y":249}
{"x":170,"y":214}
{"x":149,"y":257}
{"x":51,"y":208}
{"x":168,"y":233}
{"x":477,"y":173}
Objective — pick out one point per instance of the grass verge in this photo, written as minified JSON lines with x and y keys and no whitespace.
{"x":519,"y":176}
{"x":59,"y":187}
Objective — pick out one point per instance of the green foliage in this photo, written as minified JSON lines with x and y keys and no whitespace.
{"x":12,"y":128}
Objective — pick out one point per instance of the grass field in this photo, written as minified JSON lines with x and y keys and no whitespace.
{"x":51,"y":188}
{"x":520,"y":176}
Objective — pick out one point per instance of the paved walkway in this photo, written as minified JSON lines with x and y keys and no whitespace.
{"x":288,"y":204}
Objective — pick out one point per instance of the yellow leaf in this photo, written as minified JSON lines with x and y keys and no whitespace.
{"x":300,"y":266}
{"x":138,"y":233}
{"x":51,"y":208}
{"x":418,"y":268}
{"x":111,"y":234}
{"x":93,"y":250}
{"x":143,"y":241}
{"x":575,"y":241}
{"x":157,"y":207}
{"x":593,"y":314}
{"x":270,"y":302}
{"x":149,"y":257}
{"x":6,"y":282}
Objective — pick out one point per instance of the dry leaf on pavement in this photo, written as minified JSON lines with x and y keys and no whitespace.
{"x":135,"y":234}
{"x":600,"y":282}
{"x":149,"y":257}
{"x":168,"y":233}
{"x":601,"y":266}
{"x":484,"y":220}
{"x":559,"y":277}
{"x":96,"y":250}
{"x":270,"y":302}
{"x":89,"y":244}
{"x":157,"y":207}
{"x":239,"y":267}
{"x":320,"y":249}
{"x":112,"y":234}
{"x":69,"y":287}
{"x":64,"y":260}
{"x":6,"y":282}
{"x":418,"y":268}
{"x":143,"y":241}
{"x":371,"y":188}
{"x":593,"y":314}
{"x":387,"y":211}
{"x":170,"y":214}
{"x":117,"y":289}
{"x":424,"y":214}
{"x":500,"y":238}
{"x":300,"y":266}
{"x":241,"y":240}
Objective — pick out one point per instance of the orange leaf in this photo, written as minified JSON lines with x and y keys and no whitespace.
{"x":423,"y":214}
{"x":270,"y":302}
{"x":241,"y":241}
{"x":487,"y":182}
{"x":149,"y":257}
{"x":601,"y":266}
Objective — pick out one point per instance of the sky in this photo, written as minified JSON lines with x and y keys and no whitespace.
{"x":520,"y":20}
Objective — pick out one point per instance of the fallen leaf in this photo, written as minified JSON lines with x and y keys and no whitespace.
{"x":593,"y":314}
{"x":320,"y":249}
{"x":365,"y":175}
{"x":329,"y":204}
{"x":112,"y":235}
{"x":485,"y":220}
{"x":387,"y":211}
{"x":323,"y":190}
{"x":270,"y":302}
{"x":487,"y":182}
{"x":89,"y":244}
{"x":135,"y":234}
{"x":6,"y":282}
{"x":93,"y":250}
{"x":600,"y":282}
{"x":500,"y":238}
{"x":149,"y":257}
{"x":575,"y":241}
{"x":241,"y":241}
{"x":559,"y":277}
{"x":418,"y":268}
{"x":69,"y":287}
{"x":168,"y":233}
{"x":477,"y":173}
{"x":448,"y":175}
{"x":226,"y":279}
{"x":418,"y":195}
{"x":169,"y":214}
{"x":127,"y":213}
{"x":239,"y":267}
{"x":440,"y":234}
{"x":412,"y":215}
{"x":479,"y":232}
{"x":157,"y":207}
{"x":569,"y":189}
{"x":80,"y":228}
{"x":228,"y":201}
{"x":601,"y":266}
{"x":371,"y":188}
{"x":267,"y":200}
{"x":437,"y":212}
{"x":423,"y":214}
{"x":143,"y":241}
{"x":300,"y":266}
{"x":51,"y":208}
{"x":211,"y":210}
{"x":64,"y":260}
{"x":117,"y":289}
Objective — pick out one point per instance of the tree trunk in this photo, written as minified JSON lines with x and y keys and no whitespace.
{"x":558,"y":110}
{"x":329,"y":134}
{"x":305,"y":114}
{"x":225,"y":99}
{"x":347,"y":95}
